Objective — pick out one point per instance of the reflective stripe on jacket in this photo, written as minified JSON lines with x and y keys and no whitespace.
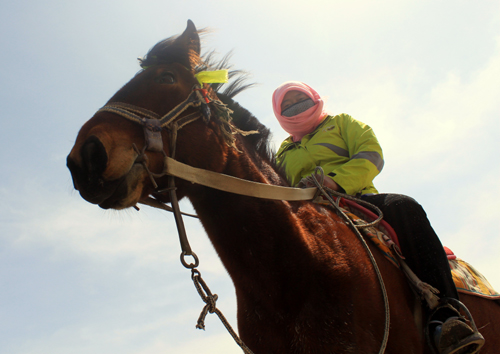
{"x":346,"y":149}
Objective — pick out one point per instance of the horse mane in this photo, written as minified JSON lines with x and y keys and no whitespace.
{"x":242,"y":118}
{"x":165,"y":52}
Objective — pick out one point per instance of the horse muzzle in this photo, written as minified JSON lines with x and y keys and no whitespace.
{"x":88,"y":170}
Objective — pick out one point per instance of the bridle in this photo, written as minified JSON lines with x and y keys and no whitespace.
{"x":153,"y":124}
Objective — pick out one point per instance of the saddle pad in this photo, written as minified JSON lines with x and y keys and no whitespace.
{"x":377,"y":237}
{"x":467,"y":279}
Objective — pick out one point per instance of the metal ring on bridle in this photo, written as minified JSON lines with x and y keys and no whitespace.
{"x":190,"y":265}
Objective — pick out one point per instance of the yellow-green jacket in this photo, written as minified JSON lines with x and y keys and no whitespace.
{"x":346,"y":149}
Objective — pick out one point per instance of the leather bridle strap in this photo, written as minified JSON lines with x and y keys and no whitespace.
{"x":153,"y":123}
{"x":154,"y":203}
{"x":128,"y":111}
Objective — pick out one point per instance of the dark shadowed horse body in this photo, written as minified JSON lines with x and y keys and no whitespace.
{"x":303,"y":281}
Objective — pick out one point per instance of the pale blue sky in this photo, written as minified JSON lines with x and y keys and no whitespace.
{"x":76,"y":279}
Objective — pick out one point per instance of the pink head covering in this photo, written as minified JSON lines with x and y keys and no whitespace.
{"x":302,"y":123}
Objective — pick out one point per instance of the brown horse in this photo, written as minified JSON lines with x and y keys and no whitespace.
{"x":303,"y":281}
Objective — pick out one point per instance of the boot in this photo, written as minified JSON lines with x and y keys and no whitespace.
{"x":448,"y":332}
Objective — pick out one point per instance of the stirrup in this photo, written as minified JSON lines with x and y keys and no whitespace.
{"x":454,"y":336}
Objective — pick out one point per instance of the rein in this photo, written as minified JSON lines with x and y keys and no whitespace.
{"x":355,"y":228}
{"x":153,"y":124}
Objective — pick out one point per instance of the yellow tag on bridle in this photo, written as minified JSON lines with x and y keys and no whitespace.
{"x":212,"y":77}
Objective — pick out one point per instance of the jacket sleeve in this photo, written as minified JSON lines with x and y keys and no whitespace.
{"x":365,"y":156}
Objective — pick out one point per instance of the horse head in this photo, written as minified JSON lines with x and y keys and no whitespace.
{"x":116,"y":164}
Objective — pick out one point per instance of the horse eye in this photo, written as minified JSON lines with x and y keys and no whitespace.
{"x":165,"y":78}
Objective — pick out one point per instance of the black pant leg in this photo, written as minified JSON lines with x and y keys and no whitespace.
{"x":419,"y":243}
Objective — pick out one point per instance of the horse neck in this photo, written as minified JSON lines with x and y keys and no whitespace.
{"x":258,"y":239}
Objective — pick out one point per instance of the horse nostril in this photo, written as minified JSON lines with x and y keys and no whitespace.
{"x":94,"y":156}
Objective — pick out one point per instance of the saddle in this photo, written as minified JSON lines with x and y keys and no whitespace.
{"x":467,"y":279}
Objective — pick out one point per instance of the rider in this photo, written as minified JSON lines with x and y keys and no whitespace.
{"x":350,"y":155}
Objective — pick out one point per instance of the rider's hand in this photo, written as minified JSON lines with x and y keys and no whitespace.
{"x":330,"y":183}
{"x":307,"y":182}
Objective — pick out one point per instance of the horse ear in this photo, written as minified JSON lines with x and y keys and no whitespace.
{"x":190,"y":39}
{"x":183,"y":49}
